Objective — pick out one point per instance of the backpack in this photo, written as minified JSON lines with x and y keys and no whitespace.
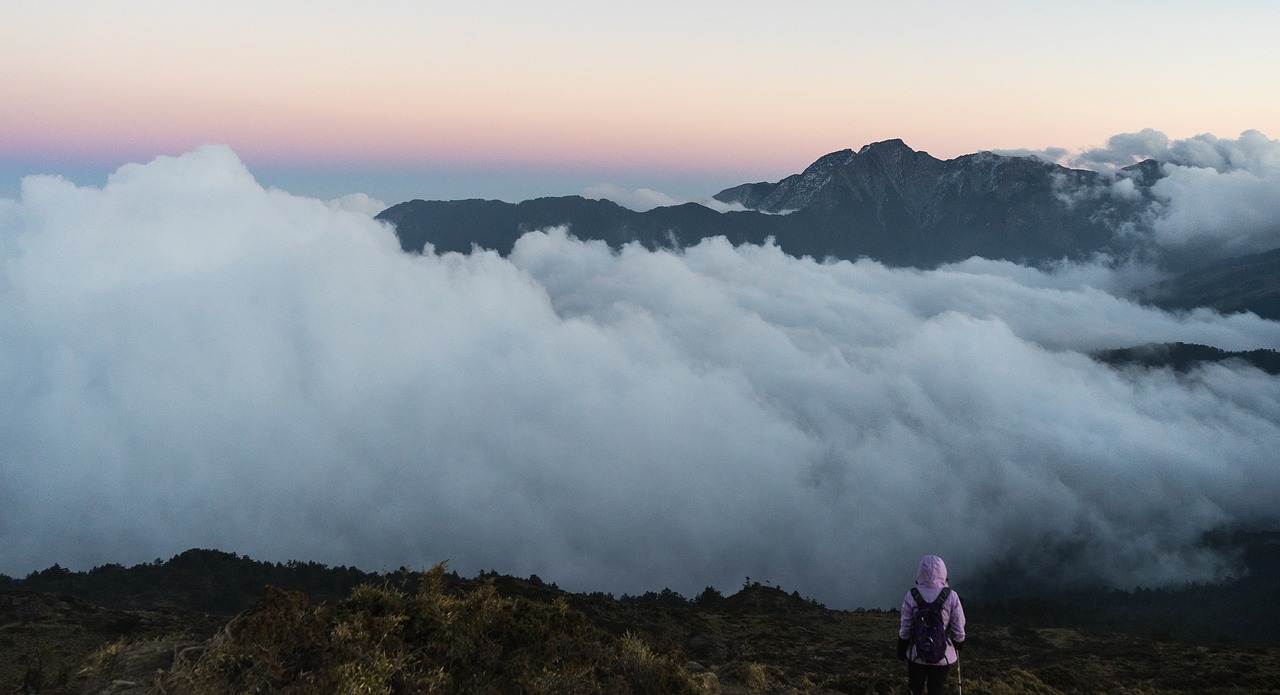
{"x":928,"y":632}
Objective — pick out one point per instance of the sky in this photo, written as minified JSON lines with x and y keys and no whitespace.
{"x":507,"y":100}
{"x":207,"y":341}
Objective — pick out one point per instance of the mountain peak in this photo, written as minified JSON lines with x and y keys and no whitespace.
{"x":885,"y":146}
{"x":834,"y":159}
{"x":837,"y":178}
{"x":1145,"y":173}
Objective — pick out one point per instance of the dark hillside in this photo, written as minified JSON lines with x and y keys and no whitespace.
{"x":216,"y":582}
{"x":458,"y":225}
{"x":504,"y":634}
{"x":332,"y":625}
{"x":1183,"y":357}
{"x":206,"y":581}
{"x":1246,"y":283}
{"x":1241,"y":611}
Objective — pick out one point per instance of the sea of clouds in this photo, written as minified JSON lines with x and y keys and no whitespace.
{"x":1216,"y":198}
{"x":188,"y":359}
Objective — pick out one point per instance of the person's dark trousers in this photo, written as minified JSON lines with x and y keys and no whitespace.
{"x":920,"y":675}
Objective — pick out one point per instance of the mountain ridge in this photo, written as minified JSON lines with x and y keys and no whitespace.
{"x":885,"y":201}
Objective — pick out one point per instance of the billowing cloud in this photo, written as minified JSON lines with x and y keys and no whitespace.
{"x":1125,"y":149}
{"x":187,"y":359}
{"x":1217,"y":198}
{"x":1252,"y":152}
{"x":358,"y":202}
{"x":1203,"y":213}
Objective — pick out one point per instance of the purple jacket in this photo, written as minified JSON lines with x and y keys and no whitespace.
{"x":930,"y":579}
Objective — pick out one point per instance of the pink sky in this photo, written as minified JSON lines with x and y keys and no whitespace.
{"x":743,"y":88}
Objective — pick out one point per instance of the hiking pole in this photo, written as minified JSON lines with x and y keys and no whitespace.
{"x":959,"y":679}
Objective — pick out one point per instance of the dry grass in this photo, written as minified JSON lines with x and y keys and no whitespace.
{"x":511,"y":637}
{"x":383,"y":640}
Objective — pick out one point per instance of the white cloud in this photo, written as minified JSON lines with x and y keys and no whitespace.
{"x":1125,"y":149}
{"x":1205,"y":213}
{"x":1218,"y":197}
{"x":639,"y":199}
{"x":721,"y":206}
{"x":1252,"y":151}
{"x":187,"y":359}
{"x":358,"y":202}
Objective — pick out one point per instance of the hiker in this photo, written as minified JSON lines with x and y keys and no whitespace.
{"x":930,"y":645}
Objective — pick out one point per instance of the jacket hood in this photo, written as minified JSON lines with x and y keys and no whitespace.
{"x":933,"y":571}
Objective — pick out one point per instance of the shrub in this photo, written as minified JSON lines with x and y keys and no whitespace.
{"x":383,"y":640}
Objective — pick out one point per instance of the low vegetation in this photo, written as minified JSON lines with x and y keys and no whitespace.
{"x":435,"y":632}
{"x":382,"y":639}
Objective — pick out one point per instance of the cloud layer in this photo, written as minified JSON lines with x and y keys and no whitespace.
{"x":189,"y":359}
{"x":1219,"y":197}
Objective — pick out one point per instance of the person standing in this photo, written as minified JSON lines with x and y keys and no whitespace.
{"x":931,"y":630}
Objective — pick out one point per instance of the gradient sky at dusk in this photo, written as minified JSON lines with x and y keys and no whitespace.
{"x":501,"y":99}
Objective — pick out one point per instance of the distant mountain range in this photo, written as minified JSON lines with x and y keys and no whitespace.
{"x":886,"y":201}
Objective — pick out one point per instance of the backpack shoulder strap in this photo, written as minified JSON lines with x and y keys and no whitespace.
{"x":941,"y":599}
